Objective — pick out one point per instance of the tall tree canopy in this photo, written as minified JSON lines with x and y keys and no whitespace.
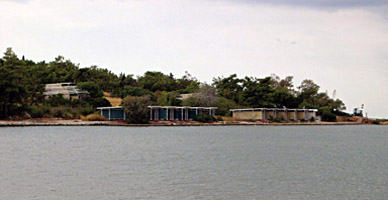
{"x":22,"y":83}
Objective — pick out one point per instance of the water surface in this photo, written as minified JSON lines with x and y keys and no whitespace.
{"x":233,"y":162}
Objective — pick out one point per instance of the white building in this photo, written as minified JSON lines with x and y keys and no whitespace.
{"x":68,"y":91}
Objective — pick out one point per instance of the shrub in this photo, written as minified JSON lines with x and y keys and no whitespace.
{"x":219,"y":118}
{"x":328,"y":116}
{"x":75,"y":114}
{"x":312,"y":119}
{"x":277,"y":119}
{"x":86,"y":110}
{"x":67,"y":115}
{"x":93,"y":117}
{"x":204,"y":118}
{"x":62,"y":112}
{"x":101,"y":102}
{"x":58,"y":113}
{"x":78,"y":102}
{"x":36,"y":112}
{"x":341,"y":113}
{"x":224,"y":105}
{"x":136,"y":109}
{"x":93,"y":89}
{"x":58,"y":100}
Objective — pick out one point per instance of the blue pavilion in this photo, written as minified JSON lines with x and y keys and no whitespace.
{"x":178,"y":113}
{"x":160,"y":112}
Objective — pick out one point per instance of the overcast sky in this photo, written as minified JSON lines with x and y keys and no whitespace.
{"x":341,"y":45}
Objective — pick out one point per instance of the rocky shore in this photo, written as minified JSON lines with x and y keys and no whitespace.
{"x":62,"y":122}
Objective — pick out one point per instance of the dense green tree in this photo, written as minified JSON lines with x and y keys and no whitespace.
{"x":187,"y":84}
{"x":136,"y":109}
{"x":258,"y":92}
{"x":94,"y":90}
{"x":11,"y":84}
{"x":105,"y":79}
{"x":224,"y":105}
{"x":168,"y":99}
{"x":327,"y":114}
{"x":22,"y":83}
{"x":338,"y":105}
{"x":230,"y":87}
{"x":61,"y":70}
{"x":308,"y":94}
{"x":134,"y":91}
{"x":58,"y":100}
{"x":100,"y":102}
{"x":283,"y":98}
{"x":157,"y":81}
{"x":127,"y":80}
{"x":204,"y":118}
{"x":33,"y":84}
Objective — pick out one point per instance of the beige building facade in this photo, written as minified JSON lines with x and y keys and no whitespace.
{"x":272,"y":113}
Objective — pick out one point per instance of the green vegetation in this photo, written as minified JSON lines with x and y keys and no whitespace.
{"x":219,"y":118}
{"x":204,"y":118}
{"x":277,"y":120}
{"x":136,"y":110}
{"x":379,"y":121}
{"x":22,"y":83}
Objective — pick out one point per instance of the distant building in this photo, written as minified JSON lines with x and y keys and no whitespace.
{"x":178,"y":113}
{"x":67,"y":90}
{"x":160,"y":112}
{"x":272,"y":113}
{"x":185,"y":96}
{"x":113,"y":113}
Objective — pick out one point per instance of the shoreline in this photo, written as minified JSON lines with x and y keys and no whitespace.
{"x":61,"y":122}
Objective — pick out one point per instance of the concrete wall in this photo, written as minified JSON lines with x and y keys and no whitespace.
{"x":247,"y":115}
{"x":311,"y":114}
{"x":269,"y":115}
{"x":301,"y":115}
{"x":290,"y":115}
{"x":282,"y":115}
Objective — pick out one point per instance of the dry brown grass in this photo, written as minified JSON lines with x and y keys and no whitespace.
{"x":225,"y":118}
{"x":384,"y":123}
{"x":93,"y":117}
{"x":114,"y":101}
{"x":349,"y":119}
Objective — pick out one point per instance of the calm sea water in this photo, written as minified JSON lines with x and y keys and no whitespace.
{"x":241,"y":162}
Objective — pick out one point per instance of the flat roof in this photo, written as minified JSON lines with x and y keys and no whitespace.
{"x":166,"y":107}
{"x":182,"y":107}
{"x":273,"y":109}
{"x":116,"y":107}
